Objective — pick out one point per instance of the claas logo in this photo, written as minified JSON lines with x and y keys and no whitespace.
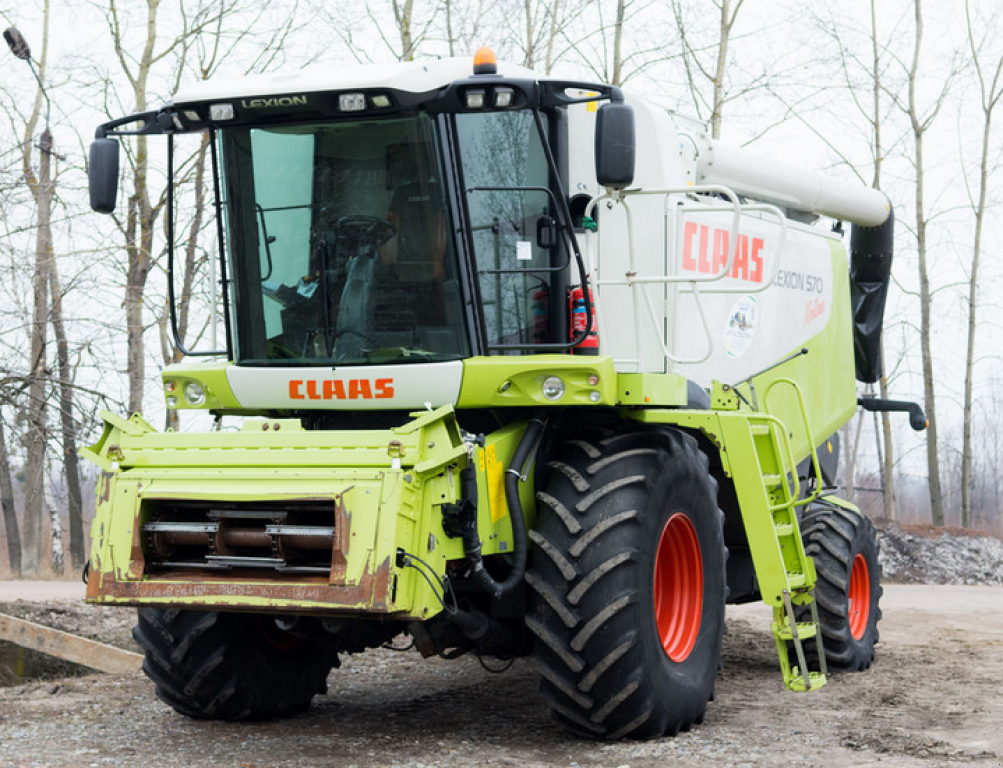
{"x":706,"y":250}
{"x":341,"y":389}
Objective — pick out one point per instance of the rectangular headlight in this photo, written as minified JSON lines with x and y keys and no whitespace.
{"x":475,"y":99}
{"x":503,"y":97}
{"x":352,"y":102}
{"x":219,"y":112}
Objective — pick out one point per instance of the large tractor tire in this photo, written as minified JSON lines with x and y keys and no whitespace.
{"x":628,"y":584}
{"x":848,"y":591}
{"x":229,"y":666}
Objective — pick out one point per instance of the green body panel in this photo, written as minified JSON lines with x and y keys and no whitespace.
{"x":825,"y":375}
{"x":495,"y":382}
{"x":383,"y":487}
{"x":210,"y":375}
{"x":651,"y":389}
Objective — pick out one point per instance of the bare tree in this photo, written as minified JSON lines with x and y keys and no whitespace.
{"x":990,"y":91}
{"x":698,"y":67}
{"x":920,"y":121}
{"x":463,"y":23}
{"x":41,"y":183}
{"x":888,"y":459}
{"x":71,"y":461}
{"x":9,"y":510}
{"x":144,"y":206}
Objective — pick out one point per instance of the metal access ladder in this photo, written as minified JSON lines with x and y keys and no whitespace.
{"x":769,"y":491}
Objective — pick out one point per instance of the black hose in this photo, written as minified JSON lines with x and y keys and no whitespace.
{"x":471,"y":542}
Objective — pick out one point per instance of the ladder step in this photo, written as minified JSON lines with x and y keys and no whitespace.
{"x":759,"y":429}
{"x":806,"y":630}
{"x":783,"y":529}
{"x":817,"y":680}
{"x":773,"y":481}
{"x":796,"y":580}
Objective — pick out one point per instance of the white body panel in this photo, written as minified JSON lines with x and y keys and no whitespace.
{"x":412,"y":76}
{"x":756,"y":323}
{"x":751,"y":320}
{"x":371,"y":387}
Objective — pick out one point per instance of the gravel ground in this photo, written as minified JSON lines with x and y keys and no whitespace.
{"x":925,"y":555}
{"x":931,"y":699}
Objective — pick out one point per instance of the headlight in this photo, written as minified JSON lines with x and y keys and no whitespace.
{"x":352,"y":102}
{"x":194,"y":393}
{"x":553,"y":388}
{"x":220,"y":112}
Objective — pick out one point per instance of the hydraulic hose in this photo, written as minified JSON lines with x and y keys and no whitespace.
{"x":471,"y":541}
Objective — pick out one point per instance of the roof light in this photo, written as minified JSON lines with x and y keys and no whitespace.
{"x":485,"y":62}
{"x":381,"y":100}
{"x":475,"y":98}
{"x":352,"y":102}
{"x":192,"y":116}
{"x":503,"y":97}
{"x":219,"y":112}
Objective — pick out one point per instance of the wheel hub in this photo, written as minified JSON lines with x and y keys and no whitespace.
{"x":859,"y":597}
{"x":678,"y":587}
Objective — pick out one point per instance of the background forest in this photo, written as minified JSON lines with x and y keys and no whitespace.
{"x":901,"y":95}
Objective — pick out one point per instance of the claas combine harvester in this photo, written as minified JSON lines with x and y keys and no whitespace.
{"x":522,"y":370}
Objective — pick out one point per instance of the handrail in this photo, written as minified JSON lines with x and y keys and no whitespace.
{"x":637,"y":282}
{"x":816,"y":468}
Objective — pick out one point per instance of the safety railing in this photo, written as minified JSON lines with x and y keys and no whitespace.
{"x":693,"y":283}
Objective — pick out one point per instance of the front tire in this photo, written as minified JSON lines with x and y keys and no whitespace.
{"x":229,"y":666}
{"x":845,"y":547}
{"x":628,"y":580}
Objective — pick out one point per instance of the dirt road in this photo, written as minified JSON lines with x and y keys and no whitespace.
{"x":932,"y":699}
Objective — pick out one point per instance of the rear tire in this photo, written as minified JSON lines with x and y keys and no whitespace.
{"x":229,"y":666}
{"x":845,"y":548}
{"x":628,"y":584}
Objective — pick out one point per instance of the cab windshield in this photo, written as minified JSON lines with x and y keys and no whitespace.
{"x":339,"y":244}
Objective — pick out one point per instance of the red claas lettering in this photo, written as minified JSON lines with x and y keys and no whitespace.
{"x":341,"y":389}
{"x":706,"y":250}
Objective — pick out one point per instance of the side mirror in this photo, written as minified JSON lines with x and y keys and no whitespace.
{"x":102,"y":175}
{"x":615,"y":145}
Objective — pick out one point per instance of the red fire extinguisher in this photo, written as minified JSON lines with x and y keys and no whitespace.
{"x":576,"y":305}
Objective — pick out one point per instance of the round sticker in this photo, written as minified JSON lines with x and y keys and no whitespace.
{"x":741,"y":326}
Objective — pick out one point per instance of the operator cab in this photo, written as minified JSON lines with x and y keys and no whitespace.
{"x":411,"y":220}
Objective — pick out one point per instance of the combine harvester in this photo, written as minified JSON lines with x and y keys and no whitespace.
{"x":505,"y":390}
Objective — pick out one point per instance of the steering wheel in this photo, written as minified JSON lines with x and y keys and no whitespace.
{"x":364,"y":231}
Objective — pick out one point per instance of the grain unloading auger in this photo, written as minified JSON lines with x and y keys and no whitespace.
{"x":505,"y":390}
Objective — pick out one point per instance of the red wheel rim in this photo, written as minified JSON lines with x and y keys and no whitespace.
{"x":678,"y":588}
{"x":859,"y":597}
